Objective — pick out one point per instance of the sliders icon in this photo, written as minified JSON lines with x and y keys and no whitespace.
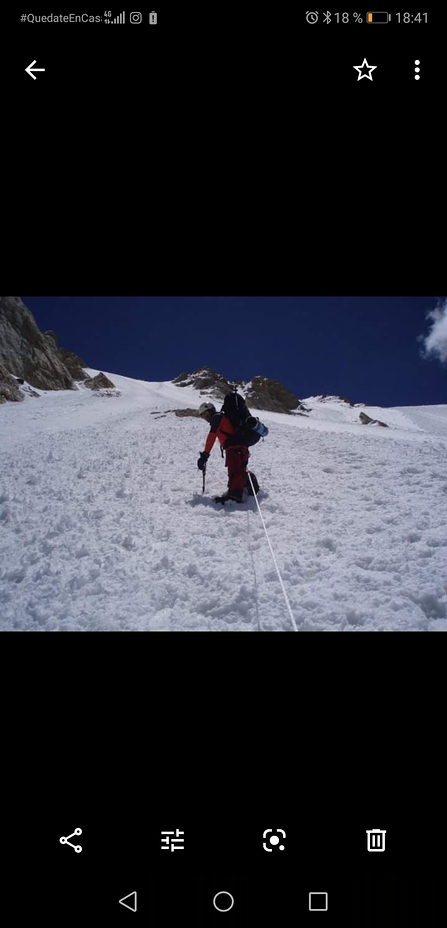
{"x":76,"y":847}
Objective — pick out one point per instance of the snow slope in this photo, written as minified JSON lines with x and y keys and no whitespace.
{"x":103,"y":524}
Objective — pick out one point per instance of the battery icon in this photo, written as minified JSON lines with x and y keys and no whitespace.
{"x":378,"y":17}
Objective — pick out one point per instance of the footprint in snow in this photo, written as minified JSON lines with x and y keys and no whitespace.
{"x":82,"y":551}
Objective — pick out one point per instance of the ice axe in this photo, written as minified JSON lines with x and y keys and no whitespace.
{"x":203,"y":472}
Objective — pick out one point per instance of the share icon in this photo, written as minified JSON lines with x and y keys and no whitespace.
{"x":76,"y":847}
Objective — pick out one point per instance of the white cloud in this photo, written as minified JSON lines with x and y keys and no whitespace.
{"x":435,"y":343}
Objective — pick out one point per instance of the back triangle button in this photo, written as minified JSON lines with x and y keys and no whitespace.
{"x":129,"y":902}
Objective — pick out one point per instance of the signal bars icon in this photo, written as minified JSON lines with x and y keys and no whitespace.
{"x":121,"y":19}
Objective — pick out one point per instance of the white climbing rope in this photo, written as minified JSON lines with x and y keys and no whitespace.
{"x":273,"y":556}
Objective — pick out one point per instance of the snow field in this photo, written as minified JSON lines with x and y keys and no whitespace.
{"x":103,"y":525}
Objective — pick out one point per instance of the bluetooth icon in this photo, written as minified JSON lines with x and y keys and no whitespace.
{"x":327,"y":17}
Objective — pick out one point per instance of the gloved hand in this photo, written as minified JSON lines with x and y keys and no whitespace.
{"x":202,"y":460}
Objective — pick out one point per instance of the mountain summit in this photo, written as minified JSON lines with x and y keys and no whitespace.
{"x":260,"y":392}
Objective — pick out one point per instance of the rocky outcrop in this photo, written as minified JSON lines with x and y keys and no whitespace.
{"x":261,"y":393}
{"x":9,"y":387}
{"x":26,"y":352}
{"x":327,"y":396}
{"x":72,"y":362}
{"x":205,"y":380}
{"x":52,"y":338}
{"x":366,"y":420}
{"x":265,"y":393}
{"x":100,"y":382}
{"x":186,"y":412}
{"x":178,"y":412}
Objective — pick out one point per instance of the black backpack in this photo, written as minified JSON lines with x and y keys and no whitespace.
{"x":236,"y":410}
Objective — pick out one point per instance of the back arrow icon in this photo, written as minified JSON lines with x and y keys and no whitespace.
{"x":31,"y":68}
{"x":131,"y":904}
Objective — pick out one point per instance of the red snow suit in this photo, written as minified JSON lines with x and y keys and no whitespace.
{"x":236,"y":456}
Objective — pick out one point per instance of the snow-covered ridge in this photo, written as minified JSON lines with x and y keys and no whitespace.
{"x":327,"y":413}
{"x":334,"y":409}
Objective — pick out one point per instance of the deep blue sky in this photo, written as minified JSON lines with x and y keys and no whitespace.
{"x":363,"y":348}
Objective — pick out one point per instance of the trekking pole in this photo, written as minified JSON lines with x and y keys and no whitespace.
{"x":273,"y":556}
{"x":203,"y":472}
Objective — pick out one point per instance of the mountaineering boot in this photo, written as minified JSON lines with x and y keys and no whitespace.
{"x":231,"y":495}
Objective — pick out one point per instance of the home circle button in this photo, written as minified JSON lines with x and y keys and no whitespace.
{"x":223,"y":902}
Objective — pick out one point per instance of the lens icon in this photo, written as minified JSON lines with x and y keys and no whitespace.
{"x":136,"y":17}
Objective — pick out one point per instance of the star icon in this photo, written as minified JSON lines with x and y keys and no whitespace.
{"x":368,"y":67}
